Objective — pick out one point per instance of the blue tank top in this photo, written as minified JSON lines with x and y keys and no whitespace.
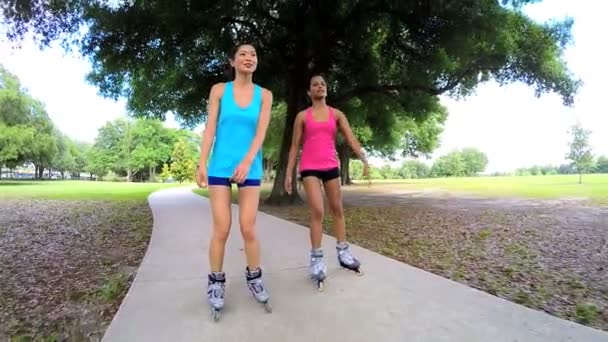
{"x":236,"y":128}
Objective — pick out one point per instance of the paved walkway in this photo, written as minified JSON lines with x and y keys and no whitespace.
{"x":391,"y":302}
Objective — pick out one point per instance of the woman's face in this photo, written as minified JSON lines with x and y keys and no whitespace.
{"x":318,"y":88}
{"x":245,"y":59}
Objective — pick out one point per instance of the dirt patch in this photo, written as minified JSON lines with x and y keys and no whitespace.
{"x":66,"y":265}
{"x":546,"y":255}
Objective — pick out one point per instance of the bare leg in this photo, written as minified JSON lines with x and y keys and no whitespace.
{"x":222,"y":219}
{"x":334,"y":197}
{"x":249,"y":198}
{"x":314,"y":197}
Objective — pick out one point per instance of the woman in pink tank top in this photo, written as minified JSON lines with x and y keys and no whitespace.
{"x":315,"y":129}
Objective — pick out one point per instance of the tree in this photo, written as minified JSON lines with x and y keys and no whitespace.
{"x":64,"y":160}
{"x":165,"y":173}
{"x":474,"y":161}
{"x":450,"y":165}
{"x":580,"y":151}
{"x":601,"y":166}
{"x":182,"y":167}
{"x":21,"y":119}
{"x":272,"y":142}
{"x":79,"y":152}
{"x":413,"y":169}
{"x":43,"y":148}
{"x":382,"y":57}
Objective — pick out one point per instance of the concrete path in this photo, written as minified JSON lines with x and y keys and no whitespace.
{"x":391,"y":302}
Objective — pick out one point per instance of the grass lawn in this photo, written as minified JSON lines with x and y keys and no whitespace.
{"x":79,"y":190}
{"x":594,"y":187}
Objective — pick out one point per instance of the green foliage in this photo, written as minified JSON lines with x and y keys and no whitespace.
{"x":586,"y":313}
{"x":27,"y":133}
{"x":183,"y":167}
{"x":580,"y":151}
{"x":474,"y":161}
{"x":414,"y":169}
{"x":165,"y":173}
{"x":272,"y":142}
{"x":128,"y":149}
{"x":467,"y":162}
{"x":113,"y":287}
{"x":450,"y":165}
{"x":601,"y":166}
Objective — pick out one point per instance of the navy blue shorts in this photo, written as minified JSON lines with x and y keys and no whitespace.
{"x":228,"y":182}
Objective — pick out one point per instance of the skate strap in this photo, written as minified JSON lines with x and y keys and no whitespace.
{"x":213,"y":279}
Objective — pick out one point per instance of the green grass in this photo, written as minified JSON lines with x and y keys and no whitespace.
{"x":113,"y":287}
{"x":79,"y":190}
{"x":594,"y":187}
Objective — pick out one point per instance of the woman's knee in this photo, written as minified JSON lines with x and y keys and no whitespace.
{"x":248,"y":230}
{"x":336,"y":209}
{"x":221,"y":232}
{"x":316,"y":212}
{"x":247,"y":223}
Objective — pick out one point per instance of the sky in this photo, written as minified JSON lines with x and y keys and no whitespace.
{"x":513,"y":127}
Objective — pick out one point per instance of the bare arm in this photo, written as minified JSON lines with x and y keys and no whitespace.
{"x":263,"y":122}
{"x":213,"y":107}
{"x":295,"y":142}
{"x":350,"y":137}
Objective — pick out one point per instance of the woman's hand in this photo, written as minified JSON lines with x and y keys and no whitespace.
{"x":288,"y":184}
{"x":241,"y":171}
{"x":201,"y":176}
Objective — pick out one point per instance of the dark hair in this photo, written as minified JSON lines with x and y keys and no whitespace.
{"x":313,"y":75}
{"x":230,"y":73}
{"x":236,"y":48}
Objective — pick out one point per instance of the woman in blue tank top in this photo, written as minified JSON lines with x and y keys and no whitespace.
{"x":238,"y":117}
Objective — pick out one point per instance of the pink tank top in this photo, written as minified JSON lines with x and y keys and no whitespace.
{"x":319,"y":147}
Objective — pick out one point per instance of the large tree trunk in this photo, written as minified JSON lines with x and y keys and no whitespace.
{"x":344,"y":156}
{"x":278,"y":195}
{"x":129,"y":174}
{"x":295,"y":102}
{"x":39,"y":171}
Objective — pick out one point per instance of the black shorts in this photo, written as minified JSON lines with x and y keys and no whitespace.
{"x":323,"y":175}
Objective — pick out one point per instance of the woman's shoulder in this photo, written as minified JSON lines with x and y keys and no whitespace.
{"x":336,"y":112}
{"x":217,"y":90}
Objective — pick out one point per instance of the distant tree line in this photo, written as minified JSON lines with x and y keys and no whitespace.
{"x":600,"y":165}
{"x":124,"y":149}
{"x":467,"y":162}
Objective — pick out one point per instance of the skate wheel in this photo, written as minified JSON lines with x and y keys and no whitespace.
{"x":216,"y":314}
{"x":268,"y":307}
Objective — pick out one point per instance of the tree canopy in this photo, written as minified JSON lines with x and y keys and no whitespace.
{"x":386,"y":62}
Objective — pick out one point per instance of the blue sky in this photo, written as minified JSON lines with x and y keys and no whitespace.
{"x":514,"y":128}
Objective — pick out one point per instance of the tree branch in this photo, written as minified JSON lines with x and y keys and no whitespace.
{"x":389,"y":90}
{"x":251,"y":26}
{"x":394,"y":90}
